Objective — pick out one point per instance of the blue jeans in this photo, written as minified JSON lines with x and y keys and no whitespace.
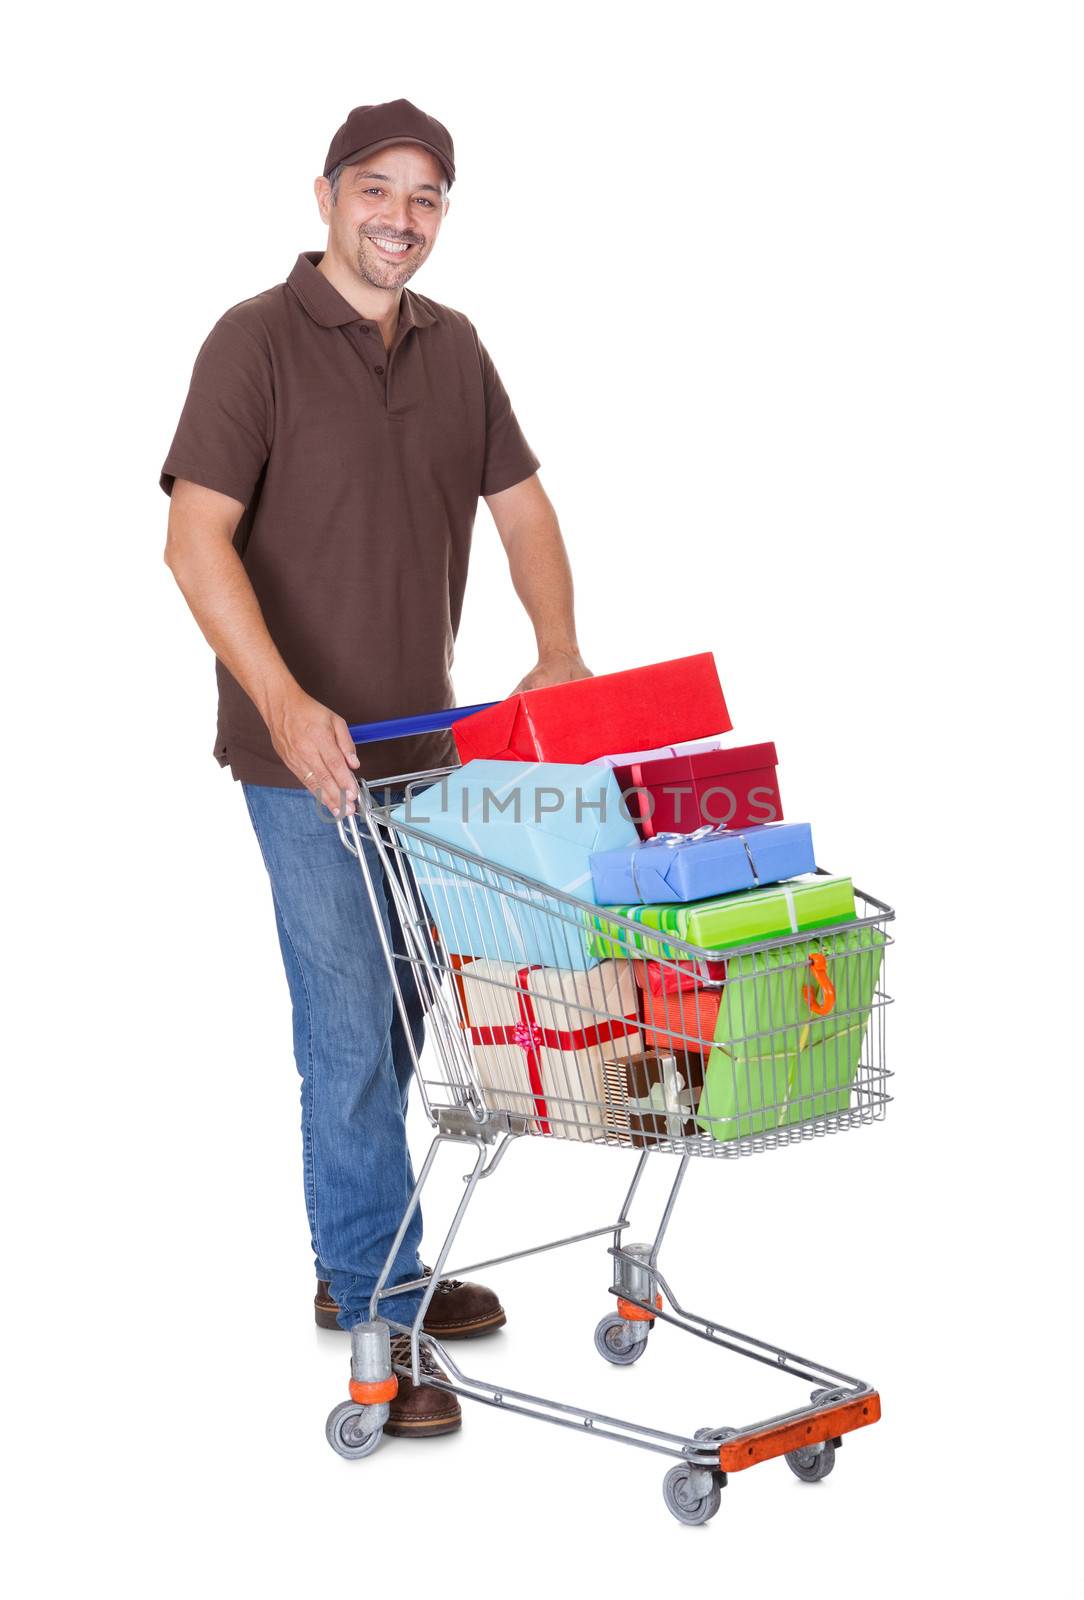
{"x":350,"y":1049}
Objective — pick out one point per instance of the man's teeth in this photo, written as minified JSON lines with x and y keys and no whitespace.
{"x":390,"y":244}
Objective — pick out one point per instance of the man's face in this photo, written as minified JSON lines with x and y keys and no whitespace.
{"x":389,"y":200}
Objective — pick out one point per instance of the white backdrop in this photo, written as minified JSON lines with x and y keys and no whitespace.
{"x":787,"y":298}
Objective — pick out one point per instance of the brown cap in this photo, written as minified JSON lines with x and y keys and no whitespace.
{"x":370,"y":128}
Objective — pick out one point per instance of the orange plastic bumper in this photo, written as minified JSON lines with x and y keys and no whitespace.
{"x":637,"y":1313}
{"x":735,"y":1454}
{"x":372,"y":1394}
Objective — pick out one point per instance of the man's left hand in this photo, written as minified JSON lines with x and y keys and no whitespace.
{"x":556,"y":666}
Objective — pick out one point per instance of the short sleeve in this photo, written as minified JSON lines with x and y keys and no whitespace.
{"x":224,"y":436}
{"x":509,"y":458}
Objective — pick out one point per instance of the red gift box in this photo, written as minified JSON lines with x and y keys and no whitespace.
{"x":664,"y":977}
{"x":734,"y":788}
{"x":676,"y":1024}
{"x":678,"y":1008}
{"x":575,"y":722}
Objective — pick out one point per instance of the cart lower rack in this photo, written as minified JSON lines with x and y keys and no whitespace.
{"x":569,"y":1022}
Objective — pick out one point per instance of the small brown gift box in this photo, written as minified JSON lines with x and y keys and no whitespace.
{"x":651,"y":1099}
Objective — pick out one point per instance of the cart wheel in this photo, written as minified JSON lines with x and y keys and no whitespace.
{"x":686,"y":1506}
{"x":613,"y":1343}
{"x":345,"y":1435}
{"x":812,"y":1465}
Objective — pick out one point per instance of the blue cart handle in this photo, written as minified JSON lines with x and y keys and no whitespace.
{"x":423,"y":722}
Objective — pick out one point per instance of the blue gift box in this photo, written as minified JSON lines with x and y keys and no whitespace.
{"x":538,"y":819}
{"x":676,"y":867}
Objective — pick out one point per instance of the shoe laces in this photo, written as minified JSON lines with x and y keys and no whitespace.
{"x":400,"y":1355}
{"x":444,"y":1285}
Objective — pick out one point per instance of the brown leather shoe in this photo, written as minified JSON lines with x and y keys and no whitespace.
{"x":419,"y":1412}
{"x":327,"y":1312}
{"x":461,"y":1310}
{"x":457,"y":1310}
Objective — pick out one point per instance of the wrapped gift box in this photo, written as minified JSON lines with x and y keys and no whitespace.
{"x":692,"y":866}
{"x":541,"y":820}
{"x":540,"y":1037}
{"x":651,"y":1098}
{"x":735,"y":788}
{"x":653,"y":705}
{"x":729,"y":920}
{"x":681,"y":1021}
{"x":671,"y":977}
{"x":774,"y":1062}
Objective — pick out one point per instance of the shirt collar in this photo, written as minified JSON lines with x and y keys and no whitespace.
{"x":325,"y":304}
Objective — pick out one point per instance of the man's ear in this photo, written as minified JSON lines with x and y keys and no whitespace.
{"x":322,"y":190}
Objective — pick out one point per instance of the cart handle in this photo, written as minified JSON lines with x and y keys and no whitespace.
{"x":422,"y":722}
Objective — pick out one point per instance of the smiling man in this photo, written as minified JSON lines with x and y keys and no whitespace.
{"x":338,"y":433}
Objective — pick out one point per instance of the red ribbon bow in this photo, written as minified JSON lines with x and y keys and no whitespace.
{"x":530,"y":1037}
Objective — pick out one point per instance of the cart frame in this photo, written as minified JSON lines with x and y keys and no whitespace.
{"x":807,"y":1435}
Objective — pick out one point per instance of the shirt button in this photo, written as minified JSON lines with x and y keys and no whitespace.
{"x":379,"y":370}
{"x":366,"y":330}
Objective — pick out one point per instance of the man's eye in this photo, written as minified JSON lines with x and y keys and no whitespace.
{"x":423,"y":202}
{"x":374,"y":191}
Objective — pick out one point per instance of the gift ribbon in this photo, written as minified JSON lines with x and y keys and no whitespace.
{"x":531,"y":1037}
{"x":669,"y":1098}
{"x":828,"y":1089}
{"x":788,"y":895}
{"x":793,"y":1058}
{"x":673,"y":841}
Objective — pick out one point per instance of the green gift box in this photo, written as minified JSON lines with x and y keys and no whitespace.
{"x":776,"y":1062}
{"x":727,"y":920}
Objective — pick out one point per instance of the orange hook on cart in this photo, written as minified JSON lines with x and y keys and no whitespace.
{"x":827,"y":1002}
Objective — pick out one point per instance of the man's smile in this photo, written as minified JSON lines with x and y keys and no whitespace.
{"x":390,"y":247}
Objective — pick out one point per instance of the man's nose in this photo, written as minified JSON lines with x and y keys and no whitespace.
{"x":397,"y":215}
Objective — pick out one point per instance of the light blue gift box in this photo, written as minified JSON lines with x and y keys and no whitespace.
{"x":677,"y":867}
{"x":541,"y":819}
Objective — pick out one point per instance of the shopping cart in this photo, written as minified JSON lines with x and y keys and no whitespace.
{"x":618,"y":1036}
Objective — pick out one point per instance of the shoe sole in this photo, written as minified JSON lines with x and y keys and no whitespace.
{"x":423,"y":1430}
{"x":469,"y":1330}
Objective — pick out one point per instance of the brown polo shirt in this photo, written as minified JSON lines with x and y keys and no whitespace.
{"x":360,"y":470}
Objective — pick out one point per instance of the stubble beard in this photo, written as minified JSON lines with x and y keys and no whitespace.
{"x":385,"y":274}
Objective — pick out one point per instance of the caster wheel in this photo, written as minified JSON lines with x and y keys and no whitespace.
{"x":614,"y":1343}
{"x":812,"y":1465}
{"x":345,"y":1434}
{"x":683,"y":1503}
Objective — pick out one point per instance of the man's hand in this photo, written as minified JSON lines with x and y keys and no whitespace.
{"x":316,"y":746}
{"x":556,"y":666}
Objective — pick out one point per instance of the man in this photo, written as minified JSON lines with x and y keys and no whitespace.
{"x":324,"y":479}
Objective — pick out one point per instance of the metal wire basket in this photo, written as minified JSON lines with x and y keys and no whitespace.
{"x":569,"y":1022}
